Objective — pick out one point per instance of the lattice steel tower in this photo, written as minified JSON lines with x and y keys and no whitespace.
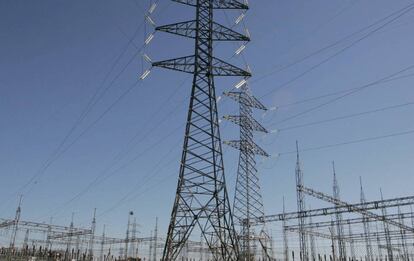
{"x":201,"y":200}
{"x":248,"y":202}
{"x":339,"y":219}
{"x":303,"y":241}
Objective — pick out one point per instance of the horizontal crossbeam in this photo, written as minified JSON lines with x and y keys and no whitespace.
{"x":240,"y":145}
{"x":187,"y":64}
{"x":217,"y":4}
{"x":188,"y":29}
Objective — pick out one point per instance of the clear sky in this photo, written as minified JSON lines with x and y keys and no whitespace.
{"x":123,"y":154}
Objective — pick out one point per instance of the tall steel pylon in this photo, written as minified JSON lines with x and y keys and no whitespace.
{"x":248,"y":201}
{"x":201,"y":200}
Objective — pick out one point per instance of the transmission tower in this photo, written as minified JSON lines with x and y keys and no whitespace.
{"x":155,"y":239}
{"x":16,"y":224}
{"x":387,"y":233}
{"x":339,"y":227}
{"x":201,"y":200}
{"x":127,"y":237}
{"x":301,"y":208}
{"x":403,"y":236}
{"x":285,"y":236}
{"x":248,"y":202}
{"x":92,"y":236}
{"x":367,"y":232}
{"x":312,"y":241}
{"x":351,"y":242}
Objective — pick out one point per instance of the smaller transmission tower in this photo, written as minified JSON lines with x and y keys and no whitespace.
{"x":92,"y":236}
{"x":127,"y":238}
{"x":285,"y":236}
{"x":16,"y":224}
{"x":339,"y":227}
{"x":301,"y":208}
{"x":387,"y":233}
{"x":367,"y":232}
{"x":155,"y":239}
{"x":248,"y":202}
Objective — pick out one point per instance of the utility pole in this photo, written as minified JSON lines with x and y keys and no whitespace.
{"x":248,"y":201}
{"x":387,"y":233}
{"x":49,"y":234}
{"x":351,"y":242}
{"x":155,"y":239}
{"x":130,"y":214}
{"x":134,"y":244}
{"x":201,"y":200}
{"x":69,"y":244}
{"x":26,"y":239}
{"x":16,"y":224}
{"x":412,"y":225}
{"x":102,"y":244}
{"x":312,"y":242}
{"x":403,"y":237}
{"x":285,"y":236}
{"x":92,"y":236}
{"x":150,"y":247}
{"x":365,"y":221}
{"x":339,"y":227}
{"x":333,"y":236}
{"x":378,"y":242}
{"x":301,"y":208}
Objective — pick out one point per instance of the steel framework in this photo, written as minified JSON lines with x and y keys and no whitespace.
{"x":248,"y":201}
{"x":201,"y":199}
{"x":303,"y":241}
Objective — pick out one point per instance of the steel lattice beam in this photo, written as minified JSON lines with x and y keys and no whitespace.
{"x":369,"y":205}
{"x":362,"y":210}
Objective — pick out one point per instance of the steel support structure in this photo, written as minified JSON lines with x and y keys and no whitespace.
{"x":16,"y":224}
{"x":367,"y":231}
{"x":338,"y":216}
{"x":300,"y":196}
{"x":201,"y":199}
{"x":387,"y":234}
{"x":248,"y":201}
{"x":285,"y":236}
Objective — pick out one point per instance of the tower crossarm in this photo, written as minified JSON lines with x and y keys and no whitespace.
{"x":69,"y":234}
{"x":245,"y":121}
{"x":7,"y":223}
{"x":217,"y":4}
{"x":369,"y":205}
{"x":186,"y":64}
{"x":246,"y":99}
{"x":352,"y":208}
{"x":188,"y":29}
{"x":352,"y":221}
{"x":241,"y":145}
{"x":314,"y":233}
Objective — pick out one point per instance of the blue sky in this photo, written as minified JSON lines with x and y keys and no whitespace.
{"x":56,"y":54}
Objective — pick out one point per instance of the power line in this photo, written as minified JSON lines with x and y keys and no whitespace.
{"x":97,"y":96}
{"x":347,"y":116}
{"x":92,"y":102}
{"x":382,"y":80}
{"x":409,"y":132}
{"x":331,"y":94}
{"x":399,"y":13}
